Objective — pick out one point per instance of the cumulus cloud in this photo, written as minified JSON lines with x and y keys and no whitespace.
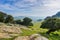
{"x":30,"y":7}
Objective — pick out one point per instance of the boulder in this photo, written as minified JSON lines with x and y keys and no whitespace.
{"x":22,"y":38}
{"x":32,"y":37}
{"x":10,"y":29}
{"x":37,"y":37}
{"x":5,"y":35}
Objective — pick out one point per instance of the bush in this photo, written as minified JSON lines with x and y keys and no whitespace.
{"x":2,"y":16}
{"x":9,"y":19}
{"x":27,"y":21}
{"x":52,"y":24}
{"x":18,"y":21}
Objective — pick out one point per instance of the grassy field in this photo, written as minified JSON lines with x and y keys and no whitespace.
{"x":36,"y":29}
{"x":53,"y":36}
{"x":33,"y":29}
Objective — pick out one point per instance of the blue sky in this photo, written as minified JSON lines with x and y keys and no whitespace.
{"x":38,"y":8}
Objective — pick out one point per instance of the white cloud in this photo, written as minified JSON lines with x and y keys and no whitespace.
{"x":52,"y":4}
{"x":33,"y":7}
{"x":26,"y":3}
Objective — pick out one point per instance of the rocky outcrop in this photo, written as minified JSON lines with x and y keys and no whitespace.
{"x":4,"y":35}
{"x":15,"y":31}
{"x":32,"y":37}
{"x":37,"y":37}
{"x":22,"y":38}
{"x":10,"y":29}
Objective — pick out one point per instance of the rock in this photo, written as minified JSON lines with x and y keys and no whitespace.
{"x":32,"y":37}
{"x":10,"y":29}
{"x":4,"y":35}
{"x":40,"y":38}
{"x":22,"y":38}
{"x":37,"y":37}
{"x":14,"y":35}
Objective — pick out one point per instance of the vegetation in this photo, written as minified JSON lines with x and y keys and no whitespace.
{"x":36,"y":29}
{"x":52,"y":24}
{"x":2,"y":16}
{"x":27,"y":21}
{"x":9,"y":19}
{"x":17,"y":21}
{"x":5,"y":18}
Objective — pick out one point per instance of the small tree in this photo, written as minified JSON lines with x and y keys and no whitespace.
{"x":2,"y":16}
{"x":9,"y":19}
{"x":17,"y":21}
{"x":27,"y":21}
{"x":52,"y":24}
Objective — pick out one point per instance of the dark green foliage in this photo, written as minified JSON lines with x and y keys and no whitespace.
{"x":52,"y":24}
{"x":17,"y":21}
{"x":2,"y":16}
{"x":9,"y":19}
{"x":6,"y":18}
{"x":31,"y":24}
{"x":27,"y":21}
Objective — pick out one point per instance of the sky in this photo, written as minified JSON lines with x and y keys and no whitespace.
{"x":37,"y":8}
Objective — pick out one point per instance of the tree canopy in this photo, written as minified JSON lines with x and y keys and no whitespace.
{"x":2,"y":16}
{"x":27,"y":21}
{"x":51,"y":23}
{"x":9,"y":19}
{"x":5,"y":18}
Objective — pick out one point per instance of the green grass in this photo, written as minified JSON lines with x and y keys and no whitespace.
{"x":52,"y":36}
{"x":27,"y":32}
{"x":33,"y":29}
{"x":36,"y":29}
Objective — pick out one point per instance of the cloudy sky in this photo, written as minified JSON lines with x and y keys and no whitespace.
{"x":39,"y":8}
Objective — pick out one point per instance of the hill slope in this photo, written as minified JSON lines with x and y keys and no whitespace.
{"x":57,"y":15}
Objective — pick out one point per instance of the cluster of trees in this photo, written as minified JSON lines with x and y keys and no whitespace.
{"x":6,"y":18}
{"x":10,"y":19}
{"x":51,"y":23}
{"x":26,"y":21}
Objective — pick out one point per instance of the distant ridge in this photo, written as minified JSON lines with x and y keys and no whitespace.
{"x":57,"y":15}
{"x":32,"y":17}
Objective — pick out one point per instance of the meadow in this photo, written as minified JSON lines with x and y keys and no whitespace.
{"x":36,"y":29}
